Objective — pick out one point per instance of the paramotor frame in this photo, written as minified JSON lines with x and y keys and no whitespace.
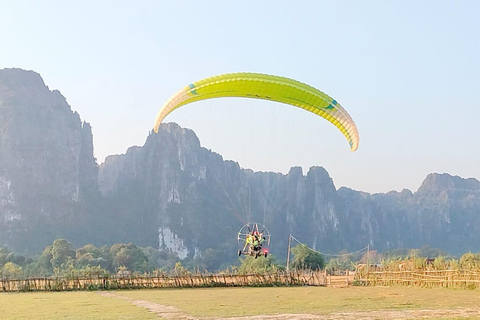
{"x":246,"y":247}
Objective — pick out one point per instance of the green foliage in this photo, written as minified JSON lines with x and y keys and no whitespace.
{"x":7,"y":256}
{"x":470,"y":261}
{"x":429,"y":252}
{"x":260,"y":265}
{"x":440,"y":263}
{"x":60,"y":252}
{"x":179,"y":270}
{"x":419,"y":262}
{"x":395,"y":254}
{"x":391,"y":263}
{"x":404,"y":253}
{"x":89,"y":255}
{"x":128,"y":255}
{"x":3,"y":255}
{"x":210,"y":260}
{"x":11,"y":271}
{"x":339,"y":264}
{"x":306,"y":258}
{"x":167,"y":259}
{"x":453,"y":264}
{"x":153,"y":258}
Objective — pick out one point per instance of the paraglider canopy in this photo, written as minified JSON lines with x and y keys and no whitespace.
{"x":267,"y":87}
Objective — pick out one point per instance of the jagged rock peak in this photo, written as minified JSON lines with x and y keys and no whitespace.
{"x":318,"y":171}
{"x":435,"y":183}
{"x":26,"y":91}
{"x":15,"y":78}
{"x":180,"y":133}
{"x":321,"y":176}
{"x":295,"y":172}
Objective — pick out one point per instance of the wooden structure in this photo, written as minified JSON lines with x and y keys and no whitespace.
{"x":462,"y":278}
{"x":293,"y":278}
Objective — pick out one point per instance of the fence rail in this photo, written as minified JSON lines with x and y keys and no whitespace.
{"x":424,"y":278}
{"x":294,"y":278}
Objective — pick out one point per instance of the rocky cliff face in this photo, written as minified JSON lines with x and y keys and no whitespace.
{"x":176,"y":194}
{"x":47,"y":167}
{"x":183,"y":194}
{"x":173,"y":193}
{"x":443,"y":213}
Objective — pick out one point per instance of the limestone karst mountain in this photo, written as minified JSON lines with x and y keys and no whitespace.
{"x":173,"y":193}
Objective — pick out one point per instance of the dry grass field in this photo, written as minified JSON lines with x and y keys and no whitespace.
{"x":284,"y":303}
{"x":67,"y":305}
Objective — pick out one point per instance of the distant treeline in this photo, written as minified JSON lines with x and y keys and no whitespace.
{"x":61,"y":259}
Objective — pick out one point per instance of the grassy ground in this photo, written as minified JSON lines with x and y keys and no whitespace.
{"x":67,"y":305}
{"x":234,"y":302}
{"x":215,"y":302}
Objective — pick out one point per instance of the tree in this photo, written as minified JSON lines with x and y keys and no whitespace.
{"x":153,"y":256}
{"x":10,"y":270}
{"x":306,"y":258}
{"x":4,"y":252}
{"x":44,"y":261}
{"x":210,"y":260}
{"x":167,"y":259}
{"x":334,"y":265}
{"x":61,"y":251}
{"x":89,"y":255}
{"x":128,"y":255}
{"x":259,"y":265}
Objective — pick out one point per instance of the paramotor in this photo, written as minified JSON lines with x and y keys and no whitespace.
{"x":252,"y":239}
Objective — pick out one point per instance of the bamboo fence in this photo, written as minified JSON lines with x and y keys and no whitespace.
{"x":293,"y":278}
{"x":462,"y":278}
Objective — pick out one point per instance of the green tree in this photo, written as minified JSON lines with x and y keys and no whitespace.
{"x":17,"y":259}
{"x":4,"y":252}
{"x":334,"y":265}
{"x":45,"y":261}
{"x":11,"y":271}
{"x":89,"y":255}
{"x":210,"y":260}
{"x":128,"y":255}
{"x":167,"y":259}
{"x":260,"y":265}
{"x":62,"y":251}
{"x":153,"y":257}
{"x":306,"y":258}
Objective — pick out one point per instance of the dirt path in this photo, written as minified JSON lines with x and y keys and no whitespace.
{"x":373,"y":315}
{"x":169,"y":312}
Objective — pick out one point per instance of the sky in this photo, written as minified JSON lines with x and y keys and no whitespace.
{"x":408,"y":72}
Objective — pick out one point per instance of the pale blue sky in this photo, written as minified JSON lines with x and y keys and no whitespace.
{"x":408,"y":72}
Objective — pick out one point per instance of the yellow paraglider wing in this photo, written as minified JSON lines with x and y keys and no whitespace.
{"x":267,"y":87}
